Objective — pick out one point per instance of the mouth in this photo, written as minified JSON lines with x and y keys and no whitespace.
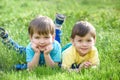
{"x":84,"y":49}
{"x":42,"y":46}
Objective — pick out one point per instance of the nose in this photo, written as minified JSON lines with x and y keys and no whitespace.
{"x":41,"y":41}
{"x":84,"y":44}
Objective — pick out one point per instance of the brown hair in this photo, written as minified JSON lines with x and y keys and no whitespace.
{"x":81,"y":28}
{"x":42,"y":25}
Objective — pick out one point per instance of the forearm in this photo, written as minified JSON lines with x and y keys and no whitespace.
{"x":34,"y":62}
{"x":49,"y":61}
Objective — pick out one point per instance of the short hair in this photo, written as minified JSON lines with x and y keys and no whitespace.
{"x":81,"y":28}
{"x":42,"y":25}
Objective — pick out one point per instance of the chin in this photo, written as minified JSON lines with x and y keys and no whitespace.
{"x":41,"y":49}
{"x":83,"y":52}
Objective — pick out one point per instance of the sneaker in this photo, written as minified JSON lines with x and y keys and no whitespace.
{"x":20,"y":66}
{"x":59,"y":20}
{"x":3,"y":34}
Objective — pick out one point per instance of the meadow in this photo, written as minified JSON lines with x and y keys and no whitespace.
{"x":15,"y":16}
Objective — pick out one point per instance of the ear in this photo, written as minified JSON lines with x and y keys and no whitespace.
{"x":53,"y":38}
{"x":94,"y":41}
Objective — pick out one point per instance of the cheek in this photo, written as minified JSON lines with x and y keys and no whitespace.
{"x":91,"y":44}
{"x":51,"y":40}
{"x":35,"y":41}
{"x":77,"y":44}
{"x":48,"y":41}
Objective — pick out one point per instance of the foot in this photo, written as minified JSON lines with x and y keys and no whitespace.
{"x":3,"y":34}
{"x":59,"y":20}
{"x":20,"y":66}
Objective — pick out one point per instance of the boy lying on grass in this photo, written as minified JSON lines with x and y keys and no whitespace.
{"x":44,"y":28}
{"x":83,"y":53}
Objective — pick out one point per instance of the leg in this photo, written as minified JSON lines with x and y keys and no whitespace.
{"x":7,"y":41}
{"x":59,"y":20}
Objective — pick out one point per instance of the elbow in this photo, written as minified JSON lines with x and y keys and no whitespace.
{"x":30,"y":66}
{"x":52,"y":65}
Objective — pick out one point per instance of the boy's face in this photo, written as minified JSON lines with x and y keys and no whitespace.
{"x":83,"y":44}
{"x":42,"y":41}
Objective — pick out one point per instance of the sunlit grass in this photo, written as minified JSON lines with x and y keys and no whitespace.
{"x":15,"y":16}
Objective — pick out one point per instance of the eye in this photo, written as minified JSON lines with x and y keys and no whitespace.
{"x":89,"y":40}
{"x":37,"y":37}
{"x":79,"y":40}
{"x":46,"y":37}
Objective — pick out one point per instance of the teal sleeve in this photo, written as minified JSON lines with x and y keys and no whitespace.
{"x":29,"y":53}
{"x":66,"y":46}
{"x":56,"y":52}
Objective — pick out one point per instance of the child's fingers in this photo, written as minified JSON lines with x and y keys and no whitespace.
{"x":87,"y":64}
{"x":48,"y":48}
{"x":35,"y":47}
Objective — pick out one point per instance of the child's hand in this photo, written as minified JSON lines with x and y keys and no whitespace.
{"x":48,"y":49}
{"x":35,"y":47}
{"x":86,"y":64}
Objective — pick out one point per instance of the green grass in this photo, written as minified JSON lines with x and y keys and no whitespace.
{"x":15,"y":16}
